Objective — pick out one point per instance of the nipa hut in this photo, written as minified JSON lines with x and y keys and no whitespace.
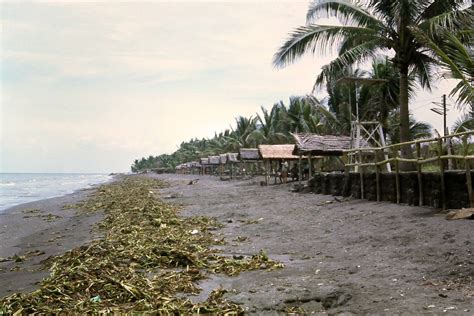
{"x":250,"y":159}
{"x":323,"y":145}
{"x":204,"y":165}
{"x":232,"y":159}
{"x":272,"y":154}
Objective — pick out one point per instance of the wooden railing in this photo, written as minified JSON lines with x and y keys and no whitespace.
{"x":354,"y":159}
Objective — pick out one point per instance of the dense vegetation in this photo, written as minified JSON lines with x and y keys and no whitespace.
{"x":406,"y":41}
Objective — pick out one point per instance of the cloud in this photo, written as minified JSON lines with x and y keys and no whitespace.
{"x":90,"y":81}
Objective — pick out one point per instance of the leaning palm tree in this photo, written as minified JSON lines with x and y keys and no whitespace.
{"x":375,"y":27}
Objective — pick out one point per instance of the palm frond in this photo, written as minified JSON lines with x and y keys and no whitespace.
{"x":451,"y":20}
{"x":346,"y":11}
{"x":464,"y":89}
{"x":438,"y":7}
{"x":359,"y":53}
{"x":315,"y":38}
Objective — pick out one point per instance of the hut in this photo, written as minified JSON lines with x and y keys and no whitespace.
{"x":222,"y":163}
{"x":232,"y":159}
{"x":276,"y":153}
{"x":249,"y":156}
{"x":194,"y":166}
{"x":204,"y":162}
{"x":314,"y":145}
{"x":214,"y":162}
{"x":179,"y":168}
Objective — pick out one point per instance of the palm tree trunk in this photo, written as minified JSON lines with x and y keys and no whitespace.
{"x":404,"y":118}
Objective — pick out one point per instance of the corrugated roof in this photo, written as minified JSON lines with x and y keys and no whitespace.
{"x":324,"y":145}
{"x":249,"y":154}
{"x":277,"y":151}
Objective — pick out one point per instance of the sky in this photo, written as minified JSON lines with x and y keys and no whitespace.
{"x":91,"y":86}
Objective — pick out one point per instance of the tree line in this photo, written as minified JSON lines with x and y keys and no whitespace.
{"x":406,"y":41}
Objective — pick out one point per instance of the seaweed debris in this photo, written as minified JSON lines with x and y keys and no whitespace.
{"x":147,"y":258}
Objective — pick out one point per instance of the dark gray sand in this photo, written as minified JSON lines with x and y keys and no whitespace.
{"x":345,"y":257}
{"x":38,"y":230}
{"x":350,"y":257}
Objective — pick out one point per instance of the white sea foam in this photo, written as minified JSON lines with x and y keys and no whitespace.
{"x":18,"y":188}
{"x":7,"y":184}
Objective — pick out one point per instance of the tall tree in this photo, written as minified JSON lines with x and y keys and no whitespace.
{"x":370,"y":28}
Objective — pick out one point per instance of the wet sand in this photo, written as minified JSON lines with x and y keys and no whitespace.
{"x":345,"y":257}
{"x":349,"y":257}
{"x":38,"y":230}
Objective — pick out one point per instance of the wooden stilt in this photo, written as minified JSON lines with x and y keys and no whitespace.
{"x":397,"y":176}
{"x":419,"y":174}
{"x":467,"y":164}
{"x":310,"y":167}
{"x":377,"y":173}
{"x":441,"y":174}
{"x":361,"y":175}
{"x":300,"y":172}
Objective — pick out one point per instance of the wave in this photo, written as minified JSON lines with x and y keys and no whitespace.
{"x":7,"y":184}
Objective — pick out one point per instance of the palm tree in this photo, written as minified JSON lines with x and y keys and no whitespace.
{"x":417,"y":129}
{"x":378,"y":26}
{"x":456,"y":54}
{"x":270,"y":127}
{"x":464,"y":123}
{"x":240,"y":136}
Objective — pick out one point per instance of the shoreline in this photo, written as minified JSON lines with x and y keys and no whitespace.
{"x":111,"y":178}
{"x":38,"y":230}
{"x":350,"y":256}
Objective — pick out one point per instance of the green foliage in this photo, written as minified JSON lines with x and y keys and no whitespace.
{"x":371,"y":28}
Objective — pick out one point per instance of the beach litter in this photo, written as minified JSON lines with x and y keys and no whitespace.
{"x":145,"y":261}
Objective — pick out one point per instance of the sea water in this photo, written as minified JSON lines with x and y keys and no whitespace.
{"x":18,"y":188}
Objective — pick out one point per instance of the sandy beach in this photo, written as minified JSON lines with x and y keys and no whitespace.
{"x":341,"y":256}
{"x":38,"y":230}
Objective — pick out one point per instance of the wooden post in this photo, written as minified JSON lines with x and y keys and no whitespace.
{"x":441,"y":174}
{"x":310,"y":167}
{"x":300,"y":172}
{"x":377,"y":172}
{"x":397,"y":176}
{"x":267,"y":171}
{"x":231,"y":169}
{"x":419,"y":174}
{"x":467,"y":164}
{"x":361,"y":174}
{"x":346,"y":173}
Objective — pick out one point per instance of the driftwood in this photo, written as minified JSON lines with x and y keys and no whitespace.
{"x":465,"y":213}
{"x":193,"y":181}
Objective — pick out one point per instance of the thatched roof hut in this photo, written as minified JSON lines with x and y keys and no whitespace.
{"x":232,"y":157}
{"x":214,"y":160}
{"x":249,"y":154}
{"x":323,"y":145}
{"x":223,"y":159}
{"x":277,"y":152}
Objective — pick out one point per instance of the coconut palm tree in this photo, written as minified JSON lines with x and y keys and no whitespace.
{"x":240,"y":136}
{"x":270,"y":126}
{"x":375,"y":27}
{"x":464,"y":123}
{"x":456,"y":54}
{"x":417,"y":129}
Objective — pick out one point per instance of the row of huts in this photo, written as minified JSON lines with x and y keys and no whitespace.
{"x":302,"y":158}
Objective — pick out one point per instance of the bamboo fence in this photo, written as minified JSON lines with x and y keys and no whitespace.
{"x":394,"y":158}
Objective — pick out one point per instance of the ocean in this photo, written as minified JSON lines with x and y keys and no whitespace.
{"x":18,"y":188}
